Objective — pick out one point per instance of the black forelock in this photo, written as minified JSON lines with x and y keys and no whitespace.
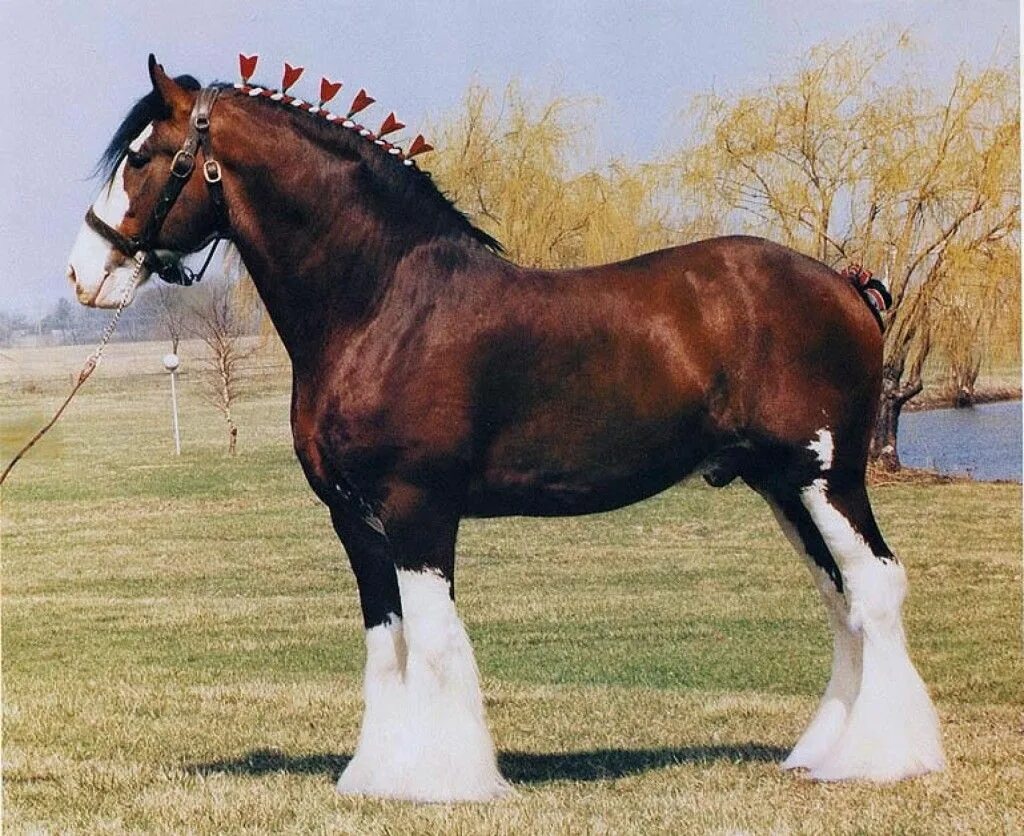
{"x":147,"y":109}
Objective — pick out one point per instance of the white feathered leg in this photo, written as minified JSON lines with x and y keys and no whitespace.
{"x":892,"y":730}
{"x":843,"y":685}
{"x":424,"y":734}
{"x":371,"y":770}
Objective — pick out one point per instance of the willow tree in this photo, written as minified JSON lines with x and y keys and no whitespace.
{"x":517,"y":167}
{"x":980,"y":320}
{"x":846,"y":168}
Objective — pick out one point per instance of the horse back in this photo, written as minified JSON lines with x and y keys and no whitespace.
{"x":732,"y":322}
{"x":611,"y":383}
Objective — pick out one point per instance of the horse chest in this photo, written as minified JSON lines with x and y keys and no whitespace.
{"x":369,"y":432}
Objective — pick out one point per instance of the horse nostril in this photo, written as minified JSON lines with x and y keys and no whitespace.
{"x":71,"y":275}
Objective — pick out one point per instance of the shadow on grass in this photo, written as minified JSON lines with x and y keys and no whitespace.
{"x":604,"y":764}
{"x":518,"y":767}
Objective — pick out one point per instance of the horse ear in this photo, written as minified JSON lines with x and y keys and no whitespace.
{"x":173,"y":95}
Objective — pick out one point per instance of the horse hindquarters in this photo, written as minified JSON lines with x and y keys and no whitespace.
{"x":875,"y":720}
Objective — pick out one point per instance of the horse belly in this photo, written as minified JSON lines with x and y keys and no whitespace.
{"x":585,"y":469}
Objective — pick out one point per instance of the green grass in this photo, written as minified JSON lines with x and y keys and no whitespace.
{"x":182,"y":647}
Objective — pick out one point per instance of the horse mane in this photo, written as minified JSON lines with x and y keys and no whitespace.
{"x":407,"y":184}
{"x":402,"y":183}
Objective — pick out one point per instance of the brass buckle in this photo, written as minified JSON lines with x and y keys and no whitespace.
{"x":189,"y":164}
{"x":202,"y":121}
{"x":211,"y":171}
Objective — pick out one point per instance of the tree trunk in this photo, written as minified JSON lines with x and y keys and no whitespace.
{"x":232,"y":432}
{"x":225,"y":403}
{"x":887,"y":423}
{"x":963,"y":398}
{"x":965,"y":378}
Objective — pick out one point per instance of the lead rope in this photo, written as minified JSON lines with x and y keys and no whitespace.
{"x":90,"y":364}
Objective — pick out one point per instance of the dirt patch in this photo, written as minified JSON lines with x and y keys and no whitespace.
{"x":879,"y":476}
{"x":944,"y":399}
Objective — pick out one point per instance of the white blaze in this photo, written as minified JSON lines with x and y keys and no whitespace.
{"x":140,"y":140}
{"x":99,"y":273}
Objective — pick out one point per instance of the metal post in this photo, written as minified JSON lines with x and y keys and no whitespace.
{"x":174,"y":410}
{"x":171,"y":363}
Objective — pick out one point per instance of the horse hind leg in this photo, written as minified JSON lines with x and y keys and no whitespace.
{"x":893,"y":729}
{"x":876,"y":720}
{"x":844,"y":683}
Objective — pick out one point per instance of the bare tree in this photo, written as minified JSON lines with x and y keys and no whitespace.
{"x":173,"y":313}
{"x":226,"y":327}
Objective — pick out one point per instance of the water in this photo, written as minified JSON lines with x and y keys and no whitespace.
{"x":984,"y":442}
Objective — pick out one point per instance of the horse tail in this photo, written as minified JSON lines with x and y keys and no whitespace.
{"x":873,"y":291}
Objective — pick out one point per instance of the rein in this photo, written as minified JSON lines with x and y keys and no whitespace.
{"x":87,"y":368}
{"x":171,"y":270}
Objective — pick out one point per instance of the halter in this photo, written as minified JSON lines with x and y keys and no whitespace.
{"x":170,"y":269}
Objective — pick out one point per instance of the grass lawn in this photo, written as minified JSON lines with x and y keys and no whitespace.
{"x":182,"y":647}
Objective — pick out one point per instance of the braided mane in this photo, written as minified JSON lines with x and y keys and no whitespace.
{"x":394,"y":170}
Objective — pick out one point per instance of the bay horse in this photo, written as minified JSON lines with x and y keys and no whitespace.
{"x":435,"y":380}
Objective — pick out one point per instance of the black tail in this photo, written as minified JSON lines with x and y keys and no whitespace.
{"x":873,"y":291}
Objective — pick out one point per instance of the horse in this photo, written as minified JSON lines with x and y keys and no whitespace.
{"x":435,"y":380}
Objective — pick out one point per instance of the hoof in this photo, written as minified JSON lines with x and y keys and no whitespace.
{"x":425,"y":786}
{"x":825,"y":729}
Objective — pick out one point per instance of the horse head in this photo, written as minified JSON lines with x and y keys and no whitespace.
{"x":151,"y":210}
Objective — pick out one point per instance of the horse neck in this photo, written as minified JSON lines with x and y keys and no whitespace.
{"x":320,"y":247}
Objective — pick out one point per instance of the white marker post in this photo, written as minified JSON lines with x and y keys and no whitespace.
{"x":171,"y":363}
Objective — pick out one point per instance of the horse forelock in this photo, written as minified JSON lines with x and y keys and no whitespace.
{"x":148,"y":109}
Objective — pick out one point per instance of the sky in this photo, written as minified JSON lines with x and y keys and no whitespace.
{"x":74,"y":67}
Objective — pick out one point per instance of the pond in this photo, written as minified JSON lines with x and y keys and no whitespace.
{"x":984,"y":441}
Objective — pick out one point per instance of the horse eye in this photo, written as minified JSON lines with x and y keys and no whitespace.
{"x":135,"y":159}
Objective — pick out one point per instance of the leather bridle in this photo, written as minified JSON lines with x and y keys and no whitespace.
{"x":170,"y":268}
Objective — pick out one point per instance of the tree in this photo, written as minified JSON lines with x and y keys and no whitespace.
{"x":11,"y":324}
{"x":62,"y":318}
{"x":843,"y":167}
{"x":517,"y":168}
{"x":980,"y":319}
{"x":225,"y":327}
{"x":172,"y":311}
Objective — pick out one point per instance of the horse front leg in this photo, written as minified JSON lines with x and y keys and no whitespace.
{"x":374,"y":570}
{"x":424,"y":736}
